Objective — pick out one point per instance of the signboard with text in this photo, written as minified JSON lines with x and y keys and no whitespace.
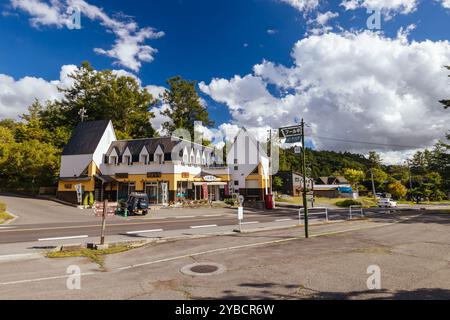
{"x":292,"y":131}
{"x":110,"y":210}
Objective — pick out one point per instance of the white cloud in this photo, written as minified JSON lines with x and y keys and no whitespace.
{"x":445,"y":3}
{"x":17,"y":95}
{"x":353,"y":86}
{"x":272,"y":31}
{"x":320,"y":23}
{"x":129,"y":49}
{"x":323,"y":18}
{"x":387,"y":7}
{"x":303,"y":5}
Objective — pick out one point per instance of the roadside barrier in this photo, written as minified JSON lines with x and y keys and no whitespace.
{"x":312,"y":211}
{"x":356,"y":206}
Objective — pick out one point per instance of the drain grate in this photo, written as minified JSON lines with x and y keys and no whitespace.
{"x":203,"y":269}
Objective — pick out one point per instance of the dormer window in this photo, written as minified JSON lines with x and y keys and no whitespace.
{"x":144,"y":159}
{"x":127,"y":160}
{"x":113,"y":160}
{"x":159,"y":159}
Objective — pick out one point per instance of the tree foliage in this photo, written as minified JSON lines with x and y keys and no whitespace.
{"x":184,"y":106}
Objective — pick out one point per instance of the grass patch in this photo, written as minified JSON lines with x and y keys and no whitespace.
{"x":5,"y":217}
{"x":96,"y":256}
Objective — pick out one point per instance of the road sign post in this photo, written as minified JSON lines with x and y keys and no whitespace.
{"x":305,"y":203}
{"x":240,"y":217}
{"x":294,"y":134}
{"x":105,"y":210}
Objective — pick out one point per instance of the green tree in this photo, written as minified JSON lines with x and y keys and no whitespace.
{"x":375,"y":159}
{"x":354,"y":176}
{"x":397,"y":190}
{"x":277,"y":182}
{"x":104,"y":95}
{"x":184,"y":106}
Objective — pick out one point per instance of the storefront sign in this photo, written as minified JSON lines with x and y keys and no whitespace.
{"x":122,"y":175}
{"x":154,"y":174}
{"x":210,"y":178}
{"x":185,"y":175}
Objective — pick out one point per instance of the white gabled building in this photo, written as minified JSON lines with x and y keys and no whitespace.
{"x":168,"y":169}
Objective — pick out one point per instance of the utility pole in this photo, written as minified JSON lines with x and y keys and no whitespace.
{"x":409,"y":172}
{"x":305,"y":204}
{"x":373,"y":184}
{"x":269,"y":154}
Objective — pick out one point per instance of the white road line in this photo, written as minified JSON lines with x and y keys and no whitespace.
{"x":63,"y":238}
{"x":281,"y":220}
{"x":185,"y":217}
{"x":213,"y":215}
{"x":6,"y":228}
{"x":205,"y":226}
{"x":43,"y":279}
{"x":250,"y":222}
{"x":144,"y":231}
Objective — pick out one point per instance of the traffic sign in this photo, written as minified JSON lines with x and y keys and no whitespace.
{"x":292,"y":131}
{"x":298,"y":150}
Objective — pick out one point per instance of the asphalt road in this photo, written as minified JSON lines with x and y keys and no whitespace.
{"x":133,"y":226}
{"x":411,"y":250}
{"x":36,"y":211}
{"x":50,"y":220}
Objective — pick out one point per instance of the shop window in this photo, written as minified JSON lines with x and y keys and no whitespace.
{"x":182,"y":187}
{"x":236,"y":183}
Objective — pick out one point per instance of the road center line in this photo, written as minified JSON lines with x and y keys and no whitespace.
{"x":144,"y":231}
{"x":63,"y":238}
{"x":205,"y":226}
{"x":250,"y":222}
{"x":281,"y":220}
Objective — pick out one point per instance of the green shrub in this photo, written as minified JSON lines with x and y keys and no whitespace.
{"x":347,"y":203}
{"x":2,"y":207}
{"x":86,"y":200}
{"x":91,"y":199}
{"x":230,"y":201}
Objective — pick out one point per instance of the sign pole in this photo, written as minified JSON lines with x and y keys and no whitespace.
{"x":305,"y":203}
{"x":105,"y":208}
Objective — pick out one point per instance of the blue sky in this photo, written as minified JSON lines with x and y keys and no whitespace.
{"x":205,"y":40}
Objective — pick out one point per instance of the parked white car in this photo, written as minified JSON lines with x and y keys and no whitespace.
{"x":387,"y":203}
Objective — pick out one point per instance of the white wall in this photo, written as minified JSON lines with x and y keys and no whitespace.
{"x":108,"y":137}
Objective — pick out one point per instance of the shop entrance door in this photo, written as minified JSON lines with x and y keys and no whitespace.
{"x":151,"y":189}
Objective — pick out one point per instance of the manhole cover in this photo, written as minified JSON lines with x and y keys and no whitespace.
{"x":203,"y":269}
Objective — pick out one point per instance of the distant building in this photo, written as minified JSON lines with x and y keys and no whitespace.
{"x":332,"y":180}
{"x":168,"y":169}
{"x":292,"y":183}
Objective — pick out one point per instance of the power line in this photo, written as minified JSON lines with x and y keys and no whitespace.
{"x":367,"y":142}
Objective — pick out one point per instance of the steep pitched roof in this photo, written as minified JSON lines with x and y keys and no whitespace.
{"x":86,"y":137}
